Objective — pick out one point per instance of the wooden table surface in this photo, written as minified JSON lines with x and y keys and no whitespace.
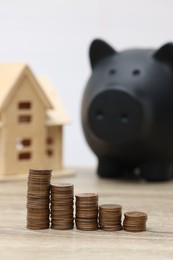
{"x":16,"y":242}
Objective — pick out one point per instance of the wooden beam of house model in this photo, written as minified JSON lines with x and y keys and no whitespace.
{"x":31,"y":121}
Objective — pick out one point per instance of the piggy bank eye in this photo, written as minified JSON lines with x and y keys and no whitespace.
{"x":136,"y":72}
{"x":112,"y":72}
{"x":99,"y":115}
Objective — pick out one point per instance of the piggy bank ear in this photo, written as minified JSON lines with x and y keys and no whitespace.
{"x":165,"y":53}
{"x":98,"y":51}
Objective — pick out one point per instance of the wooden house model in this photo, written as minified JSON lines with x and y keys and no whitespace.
{"x":31,"y":121}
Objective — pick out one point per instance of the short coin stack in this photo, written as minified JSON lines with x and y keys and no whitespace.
{"x":135,"y":221}
{"x":110,"y":217}
{"x":62,"y":206}
{"x":87,"y":211}
{"x":38,"y":198}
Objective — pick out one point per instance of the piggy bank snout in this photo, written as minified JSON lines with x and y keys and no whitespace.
{"x":115,"y":115}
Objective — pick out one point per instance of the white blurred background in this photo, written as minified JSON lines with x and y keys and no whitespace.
{"x":53,"y":37}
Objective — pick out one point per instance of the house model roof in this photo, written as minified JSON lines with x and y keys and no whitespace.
{"x":10,"y":75}
{"x":58,"y":114}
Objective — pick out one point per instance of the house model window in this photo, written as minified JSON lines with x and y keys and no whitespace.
{"x":24,"y":119}
{"x":22,"y":143}
{"x":50,"y":152}
{"x":49,"y":142}
{"x":24,"y":105}
{"x":24,"y":156}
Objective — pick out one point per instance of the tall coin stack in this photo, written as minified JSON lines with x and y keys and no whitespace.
{"x":110,"y":217}
{"x":87,"y":211}
{"x":135,"y":221}
{"x":38,"y":198}
{"x":62,"y":196}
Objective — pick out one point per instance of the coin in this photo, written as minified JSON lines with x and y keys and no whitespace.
{"x":110,"y":217}
{"x":62,"y":203}
{"x":110,"y":207}
{"x":135,"y":214}
{"x":87,"y":211}
{"x":38,"y":199}
{"x":135,"y":221}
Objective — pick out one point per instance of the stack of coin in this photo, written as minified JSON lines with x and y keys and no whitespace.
{"x":110,"y":217}
{"x":87,"y":211}
{"x":135,"y":221}
{"x":62,"y":206}
{"x":38,"y":198}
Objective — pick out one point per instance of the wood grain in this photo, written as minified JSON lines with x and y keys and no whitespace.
{"x":156,"y":199}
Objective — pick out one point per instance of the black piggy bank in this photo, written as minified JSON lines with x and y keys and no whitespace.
{"x":127,"y":110}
